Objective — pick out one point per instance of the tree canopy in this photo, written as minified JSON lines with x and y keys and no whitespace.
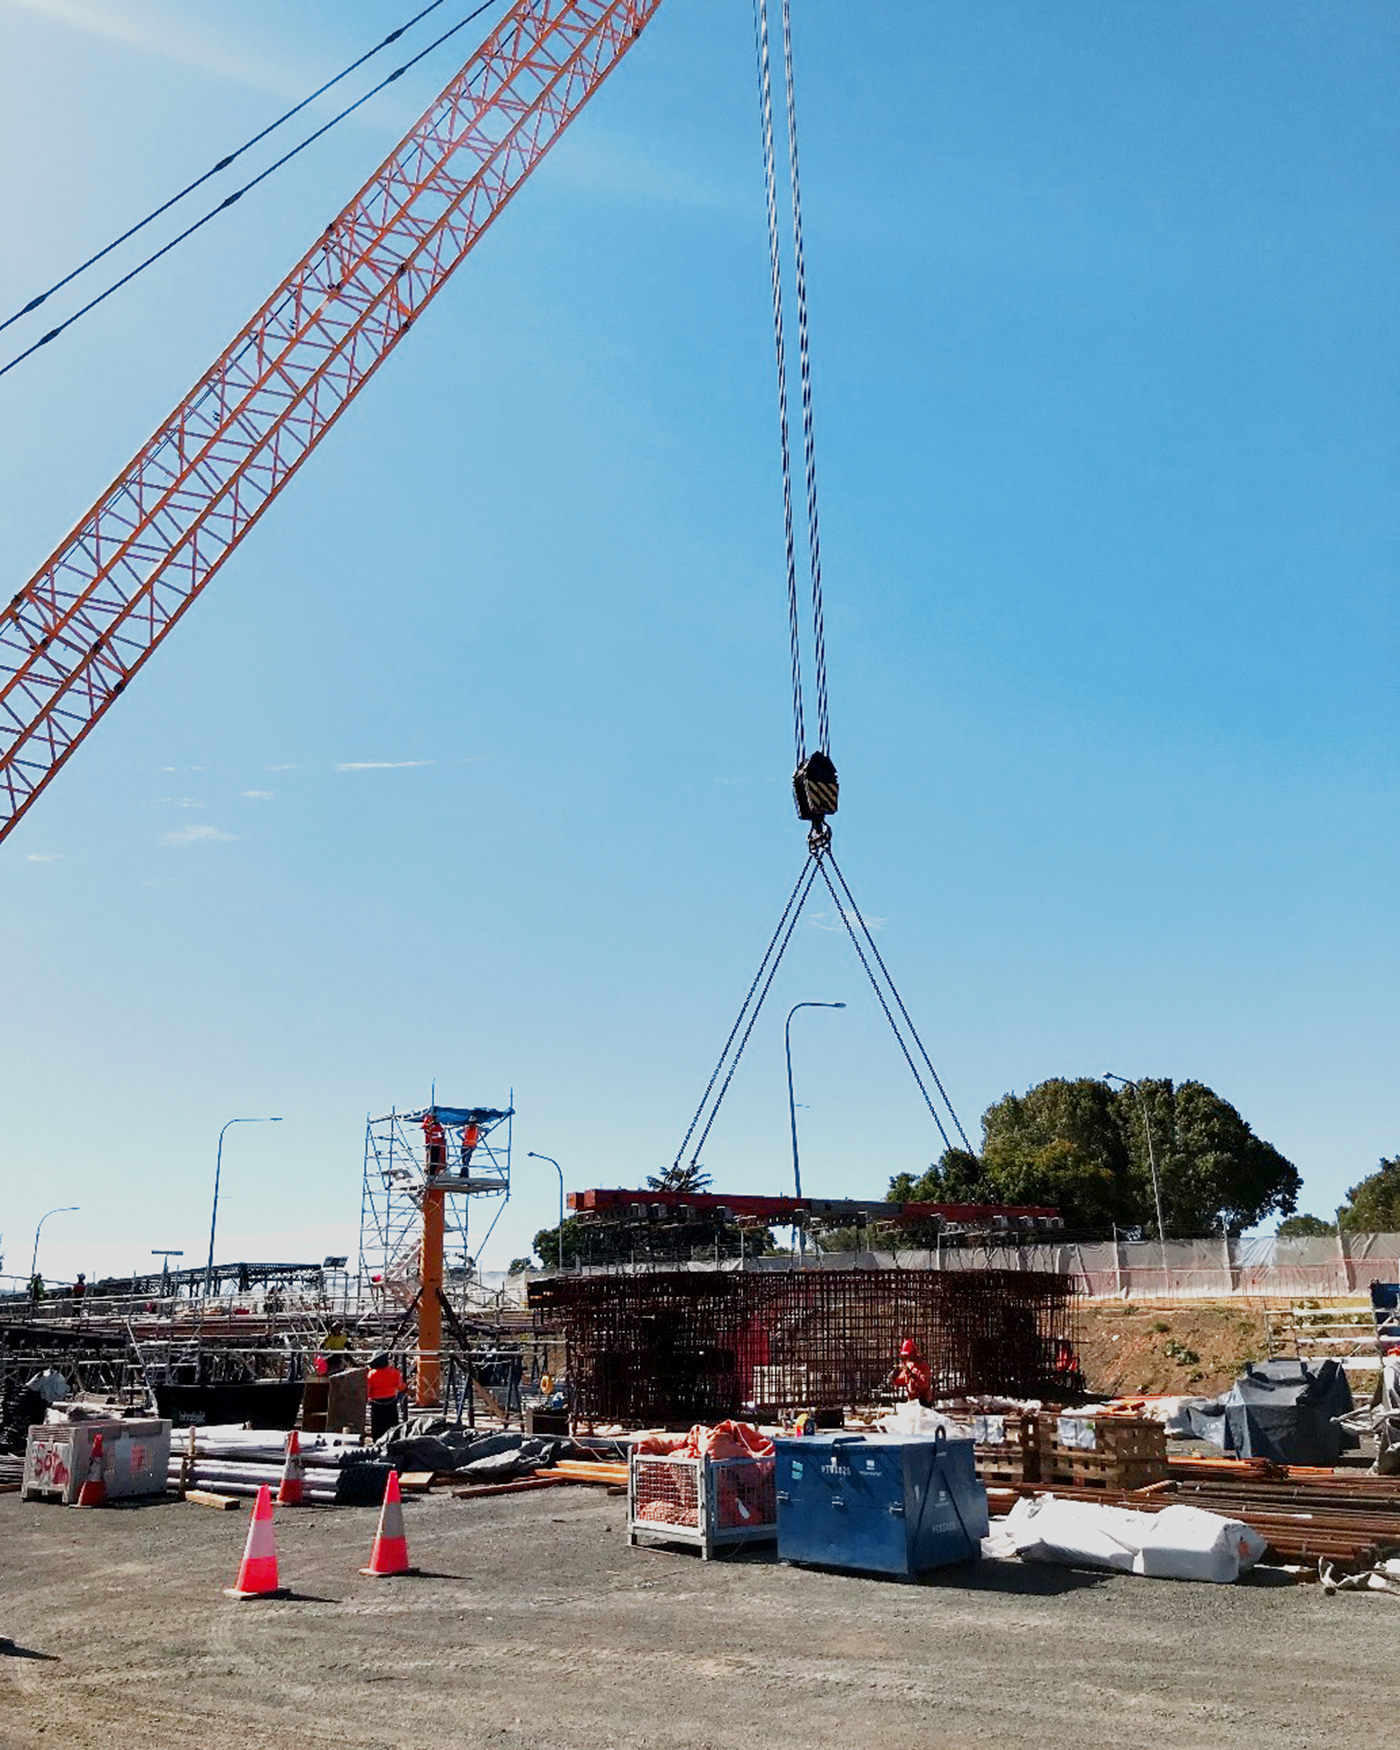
{"x":1305,"y":1227}
{"x":1373,"y":1206}
{"x":1082,"y":1146}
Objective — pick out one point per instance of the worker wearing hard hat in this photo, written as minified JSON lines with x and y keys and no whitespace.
{"x":387,"y":1391}
{"x":913,"y":1377}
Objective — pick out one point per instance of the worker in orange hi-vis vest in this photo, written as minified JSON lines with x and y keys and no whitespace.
{"x":386,"y":1389}
{"x":435,"y":1139}
{"x":471,"y":1135}
{"x":913,"y":1376}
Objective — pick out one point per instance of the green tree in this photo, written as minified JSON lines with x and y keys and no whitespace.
{"x":1305,"y":1227}
{"x":679,"y":1178}
{"x":518,"y":1266}
{"x":1373,"y":1206}
{"x":547,"y":1243}
{"x":1081,"y":1146}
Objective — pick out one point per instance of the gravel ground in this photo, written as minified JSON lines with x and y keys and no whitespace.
{"x":535,"y":1624}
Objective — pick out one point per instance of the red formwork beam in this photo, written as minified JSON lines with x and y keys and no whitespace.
{"x":783,"y":1210}
{"x":73,"y":637}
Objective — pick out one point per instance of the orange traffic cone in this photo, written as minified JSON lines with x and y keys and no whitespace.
{"x":93,"y":1493}
{"x":289,"y":1490}
{"x":390,"y":1552}
{"x":257,"y":1578}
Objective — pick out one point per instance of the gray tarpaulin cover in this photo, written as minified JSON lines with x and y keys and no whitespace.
{"x":1284,"y":1409}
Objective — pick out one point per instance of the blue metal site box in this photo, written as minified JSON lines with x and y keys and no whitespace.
{"x":881,"y":1503}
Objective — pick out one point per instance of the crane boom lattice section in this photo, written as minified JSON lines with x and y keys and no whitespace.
{"x":72,"y":638}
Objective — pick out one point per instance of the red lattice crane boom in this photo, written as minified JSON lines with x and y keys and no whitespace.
{"x":77,"y":632}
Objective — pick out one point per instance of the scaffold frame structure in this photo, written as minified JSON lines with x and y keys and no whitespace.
{"x":460,"y":1152}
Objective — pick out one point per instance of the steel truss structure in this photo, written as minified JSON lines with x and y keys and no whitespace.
{"x":396,"y":1188}
{"x":76,"y":633}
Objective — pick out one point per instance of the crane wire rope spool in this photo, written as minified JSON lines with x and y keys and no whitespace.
{"x":815,"y":786}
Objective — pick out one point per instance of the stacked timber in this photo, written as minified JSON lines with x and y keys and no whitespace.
{"x":338,"y":1469}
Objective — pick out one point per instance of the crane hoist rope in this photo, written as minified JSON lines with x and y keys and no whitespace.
{"x":73,"y":637}
{"x":230,"y":157}
{"x":814,"y":782}
{"x":238,"y":193}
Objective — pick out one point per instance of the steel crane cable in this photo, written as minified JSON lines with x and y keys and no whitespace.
{"x":238,"y":193}
{"x":809,"y":878}
{"x":819,"y":840}
{"x":780,"y":939}
{"x":846,"y":917}
{"x":223,"y":164}
{"x":765,"y":113}
{"x":814,"y":545}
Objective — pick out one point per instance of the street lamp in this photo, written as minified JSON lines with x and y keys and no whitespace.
{"x":214,"y":1217}
{"x":1128,"y":1082}
{"x":532,"y":1156}
{"x":165,"y":1254}
{"x":68,"y":1209}
{"x":792,"y":1109}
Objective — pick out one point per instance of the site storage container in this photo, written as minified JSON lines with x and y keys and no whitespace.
{"x":883,"y":1504}
{"x":57,"y":1456}
{"x":710,"y":1502}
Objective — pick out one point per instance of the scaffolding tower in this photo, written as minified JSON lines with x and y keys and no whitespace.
{"x":436,"y":1159}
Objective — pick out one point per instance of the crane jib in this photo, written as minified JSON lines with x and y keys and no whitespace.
{"x":72,"y":638}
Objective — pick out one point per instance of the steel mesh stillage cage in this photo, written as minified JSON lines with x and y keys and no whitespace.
{"x":710,"y":1502}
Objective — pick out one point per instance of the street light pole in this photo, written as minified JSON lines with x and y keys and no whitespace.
{"x":792,"y":1110}
{"x":68,"y":1209}
{"x":214,"y":1217}
{"x":558,"y":1169}
{"x":1128,"y":1082}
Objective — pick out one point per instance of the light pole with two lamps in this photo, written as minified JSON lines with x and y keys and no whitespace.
{"x":214,"y":1217}
{"x":792,"y":1110}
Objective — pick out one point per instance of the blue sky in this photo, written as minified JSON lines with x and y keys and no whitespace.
{"x":472,"y":764}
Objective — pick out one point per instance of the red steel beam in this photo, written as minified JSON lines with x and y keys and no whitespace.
{"x":782,"y":1209}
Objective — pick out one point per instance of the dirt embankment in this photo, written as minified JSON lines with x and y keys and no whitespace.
{"x":1199,"y":1348}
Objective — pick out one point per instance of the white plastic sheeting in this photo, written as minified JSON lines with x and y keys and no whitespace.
{"x":1323,"y":1268}
{"x":1179,"y":1543}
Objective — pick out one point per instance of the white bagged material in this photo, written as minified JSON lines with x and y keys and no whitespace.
{"x":1179,"y":1543}
{"x":915,"y":1418}
{"x":1043,"y":1528}
{"x":1187,"y":1543}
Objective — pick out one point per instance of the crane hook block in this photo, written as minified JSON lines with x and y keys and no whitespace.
{"x":815,"y":788}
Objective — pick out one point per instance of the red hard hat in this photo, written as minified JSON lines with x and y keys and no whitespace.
{"x":909,"y":1347}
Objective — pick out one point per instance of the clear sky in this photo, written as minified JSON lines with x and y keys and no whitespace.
{"x":472,"y":764}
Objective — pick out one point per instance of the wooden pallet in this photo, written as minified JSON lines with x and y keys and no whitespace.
{"x":1014,"y":1460}
{"x":1129,"y":1452}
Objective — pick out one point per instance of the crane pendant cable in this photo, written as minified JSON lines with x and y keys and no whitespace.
{"x":814,"y":782}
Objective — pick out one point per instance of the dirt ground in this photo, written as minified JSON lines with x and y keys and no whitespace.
{"x":1198,"y":1348}
{"x":535,"y":1624}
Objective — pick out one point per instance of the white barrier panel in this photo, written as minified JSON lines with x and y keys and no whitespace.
{"x":1322,"y":1268}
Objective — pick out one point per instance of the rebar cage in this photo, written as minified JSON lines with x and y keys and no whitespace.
{"x":672,"y":1348}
